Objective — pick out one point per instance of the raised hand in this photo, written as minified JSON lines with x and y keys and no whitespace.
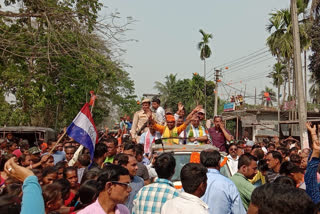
{"x":311,"y":129}
{"x":16,"y":171}
{"x":197,"y":108}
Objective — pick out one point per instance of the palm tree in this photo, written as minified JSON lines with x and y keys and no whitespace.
{"x":165,"y":89}
{"x":205,"y":52}
{"x":314,"y":90}
{"x":267,"y":101}
{"x":277,"y":76}
{"x":315,"y":8}
{"x":280,"y":42}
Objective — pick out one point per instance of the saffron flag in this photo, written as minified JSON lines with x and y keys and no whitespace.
{"x":83,"y":130}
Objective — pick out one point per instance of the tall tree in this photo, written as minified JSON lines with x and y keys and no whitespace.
{"x":187,"y":91}
{"x":267,"y":100}
{"x":314,"y":65}
{"x":280,"y":41}
{"x":51,"y":57}
{"x":277,"y":76}
{"x":166,"y":88}
{"x":205,"y":52}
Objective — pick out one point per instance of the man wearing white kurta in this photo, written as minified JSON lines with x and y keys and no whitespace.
{"x":194,"y":183}
{"x":233,"y":159}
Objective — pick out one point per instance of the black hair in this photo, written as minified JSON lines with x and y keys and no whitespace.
{"x":88,"y":192}
{"x":100,"y":150}
{"x":277,"y":198}
{"x":49,"y":170}
{"x":92,"y":174}
{"x":156,"y":100}
{"x":271,"y":144}
{"x":284,"y":180}
{"x":263,"y":166}
{"x":9,"y":205}
{"x":4,"y":159}
{"x":13,"y":189}
{"x":112,"y":140}
{"x":38,"y":173}
{"x":111,"y":172}
{"x":60,"y":164}
{"x":22,"y":158}
{"x":24,"y":145}
{"x":84,"y":159}
{"x":245,"y":160}
{"x":139,"y":149}
{"x":294,"y":149}
{"x":232,"y":144}
{"x":258,"y":153}
{"x":289,"y":167}
{"x":70,"y":147}
{"x":256,"y":146}
{"x":283,"y":150}
{"x":276,"y":155}
{"x":192,"y":175}
{"x":210,"y":158}
{"x":117,"y":156}
{"x":67,"y":169}
{"x":65,"y":187}
{"x":10,"y":143}
{"x":123,"y":159}
{"x":51,"y":192}
{"x":129,"y":146}
{"x":165,"y":165}
{"x":294,"y":158}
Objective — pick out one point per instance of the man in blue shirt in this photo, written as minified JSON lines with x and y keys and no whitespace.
{"x":130,"y":163}
{"x":57,"y":155}
{"x":221,"y":194}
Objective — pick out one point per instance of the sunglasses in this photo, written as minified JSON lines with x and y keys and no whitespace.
{"x":128,"y":185}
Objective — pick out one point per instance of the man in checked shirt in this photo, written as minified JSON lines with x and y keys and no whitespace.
{"x":152,"y":197}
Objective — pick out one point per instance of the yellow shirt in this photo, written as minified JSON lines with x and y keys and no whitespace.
{"x":167,"y":133}
{"x":258,"y":177}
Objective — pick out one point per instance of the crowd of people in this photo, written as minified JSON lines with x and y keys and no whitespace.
{"x":127,"y":176}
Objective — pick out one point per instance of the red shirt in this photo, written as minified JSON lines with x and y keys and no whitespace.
{"x":68,"y":201}
{"x":218,"y":138}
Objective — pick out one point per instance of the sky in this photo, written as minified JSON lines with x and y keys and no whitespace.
{"x":167,"y":34}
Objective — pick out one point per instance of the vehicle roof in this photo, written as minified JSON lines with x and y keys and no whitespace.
{"x":25,"y":129}
{"x":183,"y":148}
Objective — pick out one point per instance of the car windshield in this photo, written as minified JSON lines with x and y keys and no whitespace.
{"x":181,"y":160}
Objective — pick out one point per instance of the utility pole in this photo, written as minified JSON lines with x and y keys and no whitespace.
{"x":298,"y":74}
{"x":205,"y":89}
{"x":255,"y":96}
{"x":216,"y":93}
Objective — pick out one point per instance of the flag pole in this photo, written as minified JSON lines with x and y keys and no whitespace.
{"x":77,"y":153}
{"x":60,"y":138}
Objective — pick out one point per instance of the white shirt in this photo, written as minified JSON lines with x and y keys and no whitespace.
{"x":185,"y":204}
{"x":233,"y":164}
{"x":196,"y":133}
{"x":160,"y":115}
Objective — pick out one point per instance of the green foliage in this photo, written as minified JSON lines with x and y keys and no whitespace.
{"x":314,"y":65}
{"x":188,"y":91}
{"x":51,"y":57}
{"x":205,"y":51}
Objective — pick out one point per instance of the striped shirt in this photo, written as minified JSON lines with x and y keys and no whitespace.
{"x":271,"y":176}
{"x":152,"y":197}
